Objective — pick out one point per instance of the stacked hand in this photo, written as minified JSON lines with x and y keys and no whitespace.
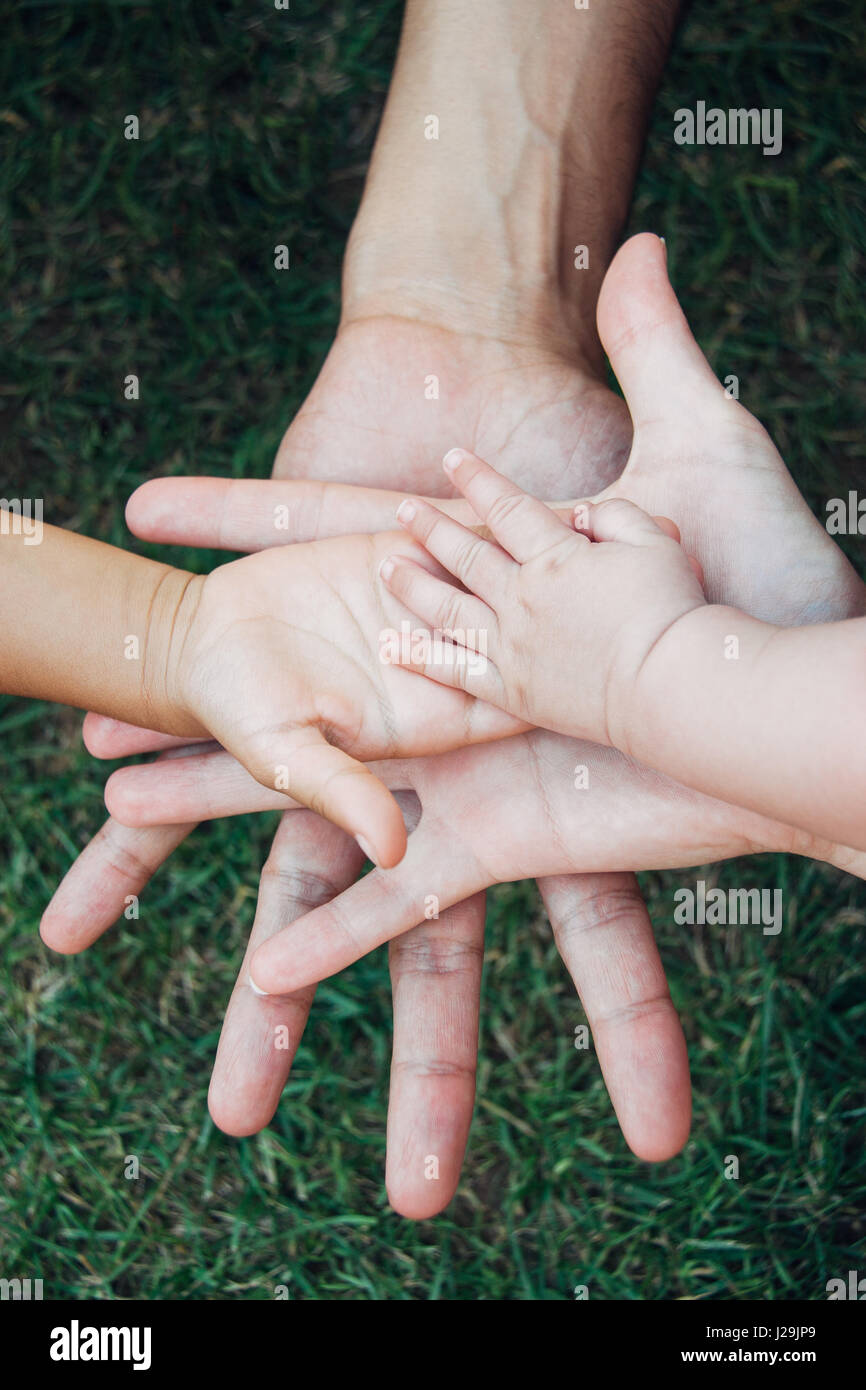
{"x":531,"y":410}
{"x":290,"y":637}
{"x":502,"y":810}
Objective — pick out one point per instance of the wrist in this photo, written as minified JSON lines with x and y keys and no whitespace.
{"x":168,"y":652}
{"x":701,"y":675}
{"x":647,"y":697}
{"x":484,"y":282}
{"x":511,"y":137}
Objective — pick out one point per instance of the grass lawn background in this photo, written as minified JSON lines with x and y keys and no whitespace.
{"x":156,"y":258}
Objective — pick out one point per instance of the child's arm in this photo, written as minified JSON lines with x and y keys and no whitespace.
{"x":90,"y":625}
{"x":285,"y":657}
{"x":614,"y":641}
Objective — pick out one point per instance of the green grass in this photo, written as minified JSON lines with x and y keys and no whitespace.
{"x":155,"y":258}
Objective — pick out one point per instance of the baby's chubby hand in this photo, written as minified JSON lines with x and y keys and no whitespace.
{"x":286,"y":658}
{"x":554,"y":623}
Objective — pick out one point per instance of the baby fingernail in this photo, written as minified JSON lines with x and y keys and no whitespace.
{"x":452,"y":460}
{"x":406,"y":511}
{"x":386,"y":569}
{"x":255,"y":989}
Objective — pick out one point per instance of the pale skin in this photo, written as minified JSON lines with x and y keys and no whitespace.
{"x":480,"y":806}
{"x":282,"y":664}
{"x":491,"y":814}
{"x":604,"y":633}
{"x":720,"y":477}
{"x":521,"y":378}
{"x":791,"y":572}
{"x":275,"y":655}
{"x":509,"y":399}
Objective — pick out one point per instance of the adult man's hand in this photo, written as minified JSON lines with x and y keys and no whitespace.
{"x":552,"y":415}
{"x":467,"y":314}
{"x":748,"y":525}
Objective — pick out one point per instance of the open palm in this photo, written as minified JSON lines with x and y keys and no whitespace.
{"x":281,"y":662}
{"x":370,"y":418}
{"x":697,"y":457}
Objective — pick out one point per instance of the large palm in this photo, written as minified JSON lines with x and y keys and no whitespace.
{"x":760,"y":547}
{"x":707,"y":463}
{"x":372,"y":417}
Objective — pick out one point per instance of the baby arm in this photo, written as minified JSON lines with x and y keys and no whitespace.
{"x":604,"y":633}
{"x":768,"y":717}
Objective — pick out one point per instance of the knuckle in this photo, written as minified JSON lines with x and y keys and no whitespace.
{"x":306,"y":514}
{"x":431,"y":527}
{"x":470,"y":552}
{"x":125,"y":861}
{"x":460,"y":669}
{"x":435,"y":1068}
{"x":341,"y":922}
{"x":430,"y":955}
{"x":521,"y":691}
{"x":634,"y":1009}
{"x":450,"y":611}
{"x":306,"y":887}
{"x":607,"y":910}
{"x":503,"y":508}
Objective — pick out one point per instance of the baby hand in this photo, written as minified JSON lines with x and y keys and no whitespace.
{"x":557,"y":622}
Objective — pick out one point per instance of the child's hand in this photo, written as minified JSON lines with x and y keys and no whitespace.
{"x":280,"y":659}
{"x":555,"y":628}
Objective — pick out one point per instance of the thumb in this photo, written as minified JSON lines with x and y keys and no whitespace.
{"x":657,"y":362}
{"x":300,"y":763}
{"x":436,"y":873}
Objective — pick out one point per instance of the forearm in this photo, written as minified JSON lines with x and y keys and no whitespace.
{"x":93,"y":626}
{"x":765,"y":717}
{"x":542,"y":110}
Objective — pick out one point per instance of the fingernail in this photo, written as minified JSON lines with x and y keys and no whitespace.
{"x":665,"y":245}
{"x":255,"y":989}
{"x":452,"y":460}
{"x":365,"y":849}
{"x":386,"y":569}
{"x":406,"y":511}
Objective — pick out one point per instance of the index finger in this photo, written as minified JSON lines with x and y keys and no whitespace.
{"x":249,"y":515}
{"x":522,"y":525}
